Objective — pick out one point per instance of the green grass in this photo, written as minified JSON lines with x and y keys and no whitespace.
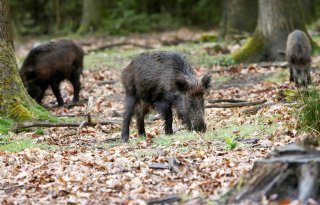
{"x":119,"y":57}
{"x":144,"y":153}
{"x":19,"y":144}
{"x":231,"y":143}
{"x":278,"y":77}
{"x":242,"y":131}
{"x":5,"y":125}
{"x":309,"y":116}
{"x":166,"y":140}
{"x":220,"y":134}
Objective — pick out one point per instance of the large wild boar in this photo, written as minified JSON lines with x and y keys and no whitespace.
{"x":163,"y":80}
{"x":48,"y":65}
{"x":298,"y":54}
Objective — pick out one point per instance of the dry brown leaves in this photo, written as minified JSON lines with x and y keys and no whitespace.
{"x":82,"y":172}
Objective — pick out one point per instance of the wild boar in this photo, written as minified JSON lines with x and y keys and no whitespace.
{"x":48,"y":65}
{"x":163,"y":80}
{"x":298,"y":55}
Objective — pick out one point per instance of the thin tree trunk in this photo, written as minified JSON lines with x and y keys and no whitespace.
{"x":238,"y":16}
{"x":14,"y":100}
{"x":276,"y":19}
{"x":92,"y":15}
{"x":5,"y":22}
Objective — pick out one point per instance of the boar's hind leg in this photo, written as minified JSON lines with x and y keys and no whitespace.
{"x":164,"y":108}
{"x":308,"y":76}
{"x":56,"y":91}
{"x":75,"y":81}
{"x":130,"y":103}
{"x":291,"y":75}
{"x":141,"y":111}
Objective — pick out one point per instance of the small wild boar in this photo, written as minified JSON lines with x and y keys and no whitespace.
{"x":48,"y":65}
{"x":298,"y":54}
{"x":163,"y":80}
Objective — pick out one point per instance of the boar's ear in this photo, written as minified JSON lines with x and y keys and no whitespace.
{"x":182,"y":84}
{"x":206,"y":79}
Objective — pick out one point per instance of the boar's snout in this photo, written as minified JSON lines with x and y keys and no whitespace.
{"x":198,"y":126}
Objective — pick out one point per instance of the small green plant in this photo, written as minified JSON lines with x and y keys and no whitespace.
{"x":309,"y":116}
{"x":231,"y":143}
{"x":5,"y":125}
{"x":39,"y":131}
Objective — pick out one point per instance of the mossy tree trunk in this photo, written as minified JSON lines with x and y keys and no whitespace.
{"x":92,"y":15}
{"x":14,"y":100}
{"x":276,"y":19}
{"x":239,"y":16}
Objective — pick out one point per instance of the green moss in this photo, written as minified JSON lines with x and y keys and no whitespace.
{"x":251,"y":50}
{"x":40,"y":113}
{"x":5,"y":125}
{"x":18,"y":111}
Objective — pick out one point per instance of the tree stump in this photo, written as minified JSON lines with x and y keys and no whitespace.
{"x":289,"y":173}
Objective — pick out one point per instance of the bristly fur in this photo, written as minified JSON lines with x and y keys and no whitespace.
{"x":163,"y":80}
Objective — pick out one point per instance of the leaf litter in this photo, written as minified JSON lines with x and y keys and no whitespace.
{"x":89,"y":165}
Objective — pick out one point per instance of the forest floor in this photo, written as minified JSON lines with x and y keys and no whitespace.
{"x":90,"y":165}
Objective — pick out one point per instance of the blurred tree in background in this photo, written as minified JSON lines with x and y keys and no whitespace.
{"x":35,"y":17}
{"x":238,"y":16}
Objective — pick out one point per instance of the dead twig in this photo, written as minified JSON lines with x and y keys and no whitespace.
{"x":255,"y":109}
{"x":230,"y":105}
{"x":164,"y":200}
{"x":225,"y":100}
{"x":106,"y":82}
{"x":25,"y":125}
{"x":158,"y":166}
{"x":112,"y":45}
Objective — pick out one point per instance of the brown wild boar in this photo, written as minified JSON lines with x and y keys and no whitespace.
{"x":48,"y":65}
{"x":163,"y":80}
{"x":298,"y":54}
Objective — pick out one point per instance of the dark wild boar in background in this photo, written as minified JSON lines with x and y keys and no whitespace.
{"x":48,"y":65}
{"x":163,"y":80}
{"x":298,"y":54}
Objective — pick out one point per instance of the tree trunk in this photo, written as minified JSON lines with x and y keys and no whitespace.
{"x":15,"y":103}
{"x":276,"y":19}
{"x":289,"y":173}
{"x":92,"y":15}
{"x":239,"y":16}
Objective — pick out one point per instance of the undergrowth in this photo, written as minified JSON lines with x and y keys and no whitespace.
{"x":309,"y":115}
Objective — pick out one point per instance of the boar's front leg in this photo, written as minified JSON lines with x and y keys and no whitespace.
{"x":164,"y":108}
{"x":130,"y":103}
{"x":308,"y":76}
{"x":56,"y":91}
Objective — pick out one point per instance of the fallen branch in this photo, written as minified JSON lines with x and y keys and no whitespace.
{"x":106,"y":82}
{"x":112,"y":45}
{"x":255,"y":109}
{"x":158,"y":166}
{"x":164,"y":200}
{"x":62,"y":124}
{"x":230,"y":105}
{"x":225,"y":100}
